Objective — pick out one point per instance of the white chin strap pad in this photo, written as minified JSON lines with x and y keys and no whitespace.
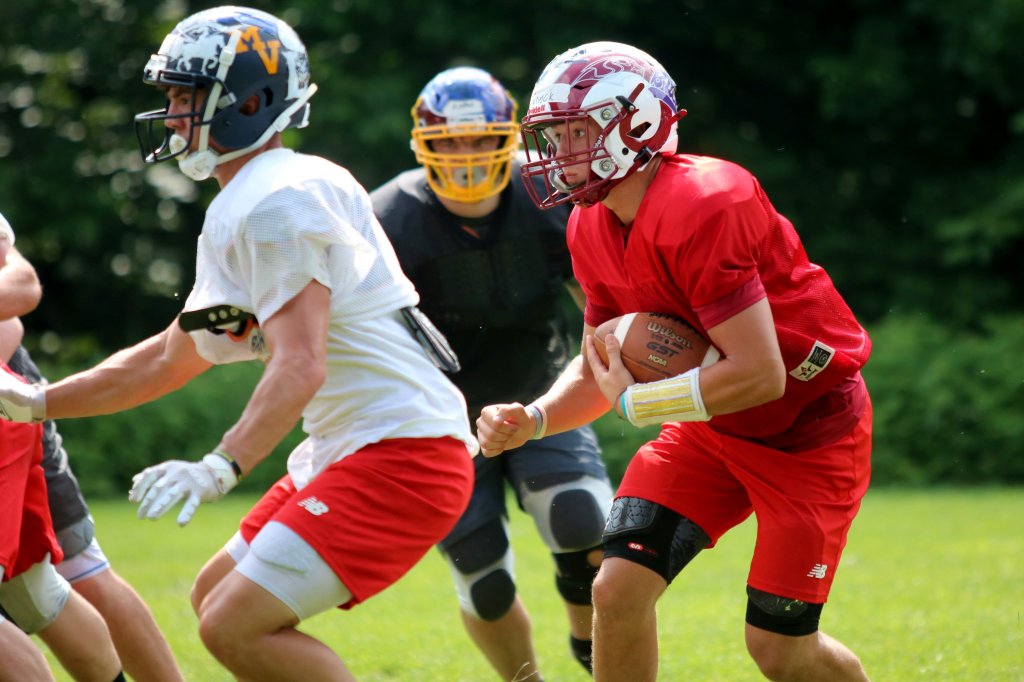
{"x":199,"y":165}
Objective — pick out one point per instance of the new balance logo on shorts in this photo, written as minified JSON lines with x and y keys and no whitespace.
{"x":818,"y":571}
{"x":314,"y":506}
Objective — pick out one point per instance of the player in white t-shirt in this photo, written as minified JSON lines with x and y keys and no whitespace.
{"x":292,"y":269}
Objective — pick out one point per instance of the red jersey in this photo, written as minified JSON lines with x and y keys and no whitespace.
{"x":705,"y":245}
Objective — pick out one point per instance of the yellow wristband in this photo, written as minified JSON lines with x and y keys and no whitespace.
{"x":676,"y":399}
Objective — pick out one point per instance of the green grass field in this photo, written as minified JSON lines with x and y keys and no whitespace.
{"x":931,"y":588}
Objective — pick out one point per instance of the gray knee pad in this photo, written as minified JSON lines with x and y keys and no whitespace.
{"x":34,"y":599}
{"x":575,"y":576}
{"x":481,"y":565}
{"x":569,"y":514}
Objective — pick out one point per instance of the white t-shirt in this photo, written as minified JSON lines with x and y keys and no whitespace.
{"x":284,"y":220}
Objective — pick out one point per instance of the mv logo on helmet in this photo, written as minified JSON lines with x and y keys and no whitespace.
{"x":267,"y":50}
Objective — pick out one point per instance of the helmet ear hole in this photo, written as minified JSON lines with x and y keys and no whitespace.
{"x":638,"y":132}
{"x":251,"y":105}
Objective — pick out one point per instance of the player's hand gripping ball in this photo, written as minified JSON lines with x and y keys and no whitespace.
{"x":656,"y":346}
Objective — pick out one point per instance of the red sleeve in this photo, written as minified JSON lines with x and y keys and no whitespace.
{"x":727,"y":241}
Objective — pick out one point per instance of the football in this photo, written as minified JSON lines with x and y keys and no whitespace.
{"x":656,"y":346}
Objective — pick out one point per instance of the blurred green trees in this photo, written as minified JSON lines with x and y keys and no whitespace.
{"x":890,"y":133}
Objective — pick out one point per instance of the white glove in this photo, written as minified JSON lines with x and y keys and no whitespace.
{"x":158,"y":488}
{"x":21,"y":402}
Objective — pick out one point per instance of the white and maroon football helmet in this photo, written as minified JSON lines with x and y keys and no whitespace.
{"x":630,"y":97}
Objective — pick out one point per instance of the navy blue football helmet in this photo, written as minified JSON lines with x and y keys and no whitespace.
{"x":229,"y":54}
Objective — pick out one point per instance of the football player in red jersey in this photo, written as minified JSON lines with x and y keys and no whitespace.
{"x":780,"y":427}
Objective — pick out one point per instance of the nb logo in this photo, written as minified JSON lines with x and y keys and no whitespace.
{"x":314,"y":506}
{"x":818,"y":571}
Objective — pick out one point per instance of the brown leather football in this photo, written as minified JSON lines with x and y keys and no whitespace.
{"x":656,"y":346}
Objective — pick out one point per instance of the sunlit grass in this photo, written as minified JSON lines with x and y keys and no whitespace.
{"x":931,"y":588}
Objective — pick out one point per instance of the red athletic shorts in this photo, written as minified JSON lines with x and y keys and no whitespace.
{"x":26,"y":530}
{"x":373,"y":515}
{"x":804,"y":502}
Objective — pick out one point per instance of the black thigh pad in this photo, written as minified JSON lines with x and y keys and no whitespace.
{"x":651,"y":535}
{"x":480,"y":548}
{"x":782,"y":615}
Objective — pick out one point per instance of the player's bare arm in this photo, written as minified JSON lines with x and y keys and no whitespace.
{"x":751,"y":371}
{"x":144,"y":372}
{"x":297,"y":338}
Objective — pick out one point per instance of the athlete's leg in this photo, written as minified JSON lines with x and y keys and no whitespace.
{"x":219,"y":565}
{"x":335,"y":526}
{"x":807,"y":658}
{"x":247,"y":617}
{"x":36,"y":597}
{"x":799,"y":549}
{"x":625,"y":624}
{"x":22,"y":661}
{"x":561,"y":482}
{"x":145,"y":654}
{"x":506,"y":642}
{"x":646,"y":546}
{"x":481,"y":563}
{"x":80,"y":640}
{"x":253,"y":634}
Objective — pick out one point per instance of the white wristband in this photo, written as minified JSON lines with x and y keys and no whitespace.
{"x":540,"y":420}
{"x":676,"y":399}
{"x":222,"y":470}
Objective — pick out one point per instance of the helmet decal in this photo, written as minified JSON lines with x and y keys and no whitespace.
{"x":266,"y":49}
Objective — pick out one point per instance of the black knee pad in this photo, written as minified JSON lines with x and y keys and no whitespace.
{"x":781,"y":615}
{"x":576,"y":518}
{"x":493,"y":594}
{"x":575,"y":576}
{"x":479,"y":549}
{"x":651,"y":535}
{"x":583,"y":651}
{"x":482,"y":571}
